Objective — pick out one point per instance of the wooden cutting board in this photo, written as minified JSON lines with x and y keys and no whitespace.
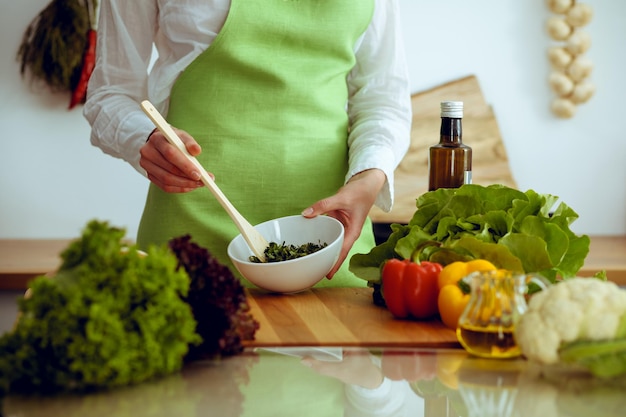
{"x":339,"y":317}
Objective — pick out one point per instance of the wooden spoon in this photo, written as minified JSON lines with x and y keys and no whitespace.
{"x":255,"y":240}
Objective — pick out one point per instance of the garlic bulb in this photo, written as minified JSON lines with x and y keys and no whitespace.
{"x":564,"y":108}
{"x":559,"y":57}
{"x":558,"y":28}
{"x":579,"y":15}
{"x":582,"y":92}
{"x":578,"y":43}
{"x":561,"y":84}
{"x":559,"y":6}
{"x":580,"y":68}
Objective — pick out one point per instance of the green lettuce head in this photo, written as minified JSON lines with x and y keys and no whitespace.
{"x":515,"y":230}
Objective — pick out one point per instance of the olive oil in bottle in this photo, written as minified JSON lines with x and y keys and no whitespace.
{"x":490,"y":342}
{"x":450,"y":161}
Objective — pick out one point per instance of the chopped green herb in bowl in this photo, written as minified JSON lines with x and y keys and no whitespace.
{"x":292,"y":267}
{"x":278,"y":253}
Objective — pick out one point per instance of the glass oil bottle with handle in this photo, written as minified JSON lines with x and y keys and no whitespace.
{"x":497,"y":301}
{"x":450,"y":161}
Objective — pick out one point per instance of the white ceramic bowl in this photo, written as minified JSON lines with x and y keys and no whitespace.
{"x":296,"y":274}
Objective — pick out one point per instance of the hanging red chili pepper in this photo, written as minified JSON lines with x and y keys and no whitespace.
{"x":89,"y":61}
{"x":58,"y":47}
{"x":411,"y":289}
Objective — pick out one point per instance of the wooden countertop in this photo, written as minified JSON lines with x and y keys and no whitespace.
{"x":607,"y":253}
{"x":23,"y":259}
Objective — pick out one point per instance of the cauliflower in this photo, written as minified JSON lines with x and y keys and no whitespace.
{"x":568,"y":322}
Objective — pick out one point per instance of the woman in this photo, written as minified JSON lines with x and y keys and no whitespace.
{"x":294,"y":106}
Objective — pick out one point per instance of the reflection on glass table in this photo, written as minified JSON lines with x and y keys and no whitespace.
{"x":348,"y":383}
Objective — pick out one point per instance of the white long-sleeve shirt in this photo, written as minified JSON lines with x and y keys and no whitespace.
{"x":126,"y":73}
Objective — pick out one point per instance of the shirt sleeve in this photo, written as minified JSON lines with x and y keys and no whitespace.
{"x":119,"y":79}
{"x":380,"y":100}
{"x":379,"y":103}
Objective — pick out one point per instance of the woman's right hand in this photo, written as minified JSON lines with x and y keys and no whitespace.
{"x":167,"y":167}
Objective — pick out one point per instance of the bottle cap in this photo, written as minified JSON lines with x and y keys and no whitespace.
{"x":453,"y":109}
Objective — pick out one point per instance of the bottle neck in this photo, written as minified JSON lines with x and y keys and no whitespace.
{"x":451,"y":130}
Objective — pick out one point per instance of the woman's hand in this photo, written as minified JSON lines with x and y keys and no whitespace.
{"x":350,"y":206}
{"x":167,"y":167}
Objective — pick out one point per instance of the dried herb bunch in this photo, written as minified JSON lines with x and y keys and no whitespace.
{"x":54,"y":43}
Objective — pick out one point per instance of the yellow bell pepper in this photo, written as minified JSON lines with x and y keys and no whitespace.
{"x":452,"y":300}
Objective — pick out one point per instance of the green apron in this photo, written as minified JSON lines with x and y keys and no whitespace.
{"x":267,"y":103}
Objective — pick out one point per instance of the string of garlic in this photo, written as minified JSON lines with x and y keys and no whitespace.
{"x":569,"y":77}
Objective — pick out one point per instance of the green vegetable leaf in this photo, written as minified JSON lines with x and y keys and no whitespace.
{"x":574,"y":258}
{"x":556,"y":239}
{"x":493,"y":225}
{"x":415,"y":241}
{"x":531,"y":250}
{"x":368,"y":266}
{"x":497,"y":254}
{"x":601,"y":275}
{"x":514,"y":230}
{"x":604,"y":359}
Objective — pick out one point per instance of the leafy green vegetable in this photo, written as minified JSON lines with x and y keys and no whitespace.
{"x":603,"y":358}
{"x":277,"y":253}
{"x":514,"y":230}
{"x":111,"y":316}
{"x":218,"y":302}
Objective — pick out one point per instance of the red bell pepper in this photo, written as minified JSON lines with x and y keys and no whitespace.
{"x":411,"y":289}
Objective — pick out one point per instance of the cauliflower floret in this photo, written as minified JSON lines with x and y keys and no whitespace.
{"x":575,"y":309}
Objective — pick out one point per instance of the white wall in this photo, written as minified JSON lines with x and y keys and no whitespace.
{"x":52,"y":181}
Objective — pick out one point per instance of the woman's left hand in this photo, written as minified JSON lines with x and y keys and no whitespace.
{"x":350,"y":206}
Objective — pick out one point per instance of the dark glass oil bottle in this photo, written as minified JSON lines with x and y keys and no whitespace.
{"x":450,"y":161}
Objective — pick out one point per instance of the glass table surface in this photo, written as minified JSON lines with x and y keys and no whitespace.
{"x":335,"y":381}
